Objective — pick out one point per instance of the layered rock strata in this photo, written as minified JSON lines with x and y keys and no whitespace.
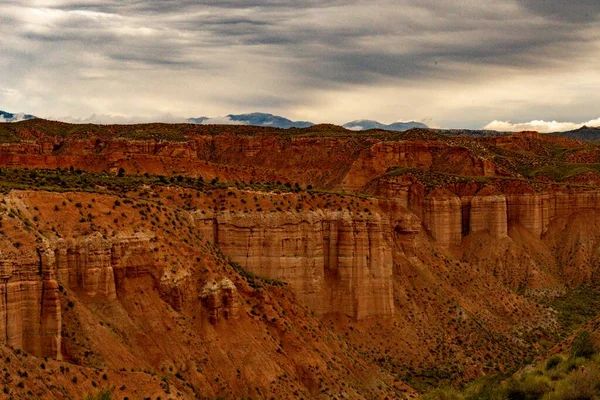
{"x":336,"y":261}
{"x":221,"y":299}
{"x":450,"y":214}
{"x":442,"y":217}
{"x":30,"y":311}
{"x":488,"y":214}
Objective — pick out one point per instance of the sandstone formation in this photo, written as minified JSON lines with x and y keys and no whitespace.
{"x":488,"y":213}
{"x":442,"y":217}
{"x":220,"y":298}
{"x":337,"y":262}
{"x":30,"y":311}
{"x":30,"y":314}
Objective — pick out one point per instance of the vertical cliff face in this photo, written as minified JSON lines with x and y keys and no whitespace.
{"x":479,"y":207}
{"x":488,"y":213}
{"x":536,"y":211}
{"x":539,"y":232}
{"x":30,"y":314}
{"x":220,"y":297}
{"x":30,"y":311}
{"x":442,"y":216}
{"x":528,"y":209}
{"x":86,"y":265}
{"x":449,"y":217}
{"x":337,"y":261}
{"x":94,"y":265}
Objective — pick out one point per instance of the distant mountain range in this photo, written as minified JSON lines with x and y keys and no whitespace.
{"x":365,"y":124}
{"x":263,"y":119}
{"x":585,"y":133}
{"x":255,"y":119}
{"x":10,"y":117}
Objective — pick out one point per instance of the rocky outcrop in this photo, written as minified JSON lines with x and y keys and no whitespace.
{"x":86,"y":265}
{"x":442,"y":216}
{"x":477,"y":207}
{"x":384,"y":155}
{"x":95,"y":265}
{"x":30,"y":311}
{"x":220,"y":298}
{"x":337,"y":261}
{"x":488,"y":214}
{"x":528,"y":210}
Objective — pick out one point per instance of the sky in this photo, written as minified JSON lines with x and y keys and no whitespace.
{"x":500,"y":64}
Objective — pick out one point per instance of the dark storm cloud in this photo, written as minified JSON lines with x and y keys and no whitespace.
{"x":300,"y":34}
{"x":280,"y":53}
{"x":570,"y":10}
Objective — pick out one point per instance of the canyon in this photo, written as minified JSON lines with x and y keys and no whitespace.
{"x":236,"y":261}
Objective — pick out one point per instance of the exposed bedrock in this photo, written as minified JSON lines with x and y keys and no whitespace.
{"x":30,"y":310}
{"x":220,"y":298}
{"x":436,"y":156}
{"x":30,"y":314}
{"x":452,"y":213}
{"x":442,"y":217}
{"x":336,"y":261}
{"x":488,"y":213}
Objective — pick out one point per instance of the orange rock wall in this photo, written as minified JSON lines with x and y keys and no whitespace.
{"x":337,"y":261}
{"x":448,"y":215}
{"x":442,"y":218}
{"x":30,"y":312}
{"x":347,"y":163}
{"x":488,"y":214}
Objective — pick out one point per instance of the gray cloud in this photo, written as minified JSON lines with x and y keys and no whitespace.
{"x":144,"y":57}
{"x":572,"y":10}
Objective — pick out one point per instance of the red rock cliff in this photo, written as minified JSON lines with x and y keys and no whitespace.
{"x":337,"y":261}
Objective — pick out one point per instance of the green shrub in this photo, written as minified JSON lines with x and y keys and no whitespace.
{"x":102,"y":394}
{"x":553,"y":362}
{"x":583,"y":383}
{"x":583,"y":346}
{"x":528,"y":387}
{"x":443,"y":394}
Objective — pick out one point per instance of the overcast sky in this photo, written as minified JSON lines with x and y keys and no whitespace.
{"x":444,"y":62}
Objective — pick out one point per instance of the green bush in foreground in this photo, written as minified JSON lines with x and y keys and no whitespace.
{"x":102,"y":394}
{"x":571,"y":376}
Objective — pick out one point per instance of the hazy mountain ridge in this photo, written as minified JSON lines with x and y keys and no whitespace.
{"x":14,"y":117}
{"x":262,"y":119}
{"x":366,"y":124}
{"x":252,"y":119}
{"x":585,"y":133}
{"x":276,"y":121}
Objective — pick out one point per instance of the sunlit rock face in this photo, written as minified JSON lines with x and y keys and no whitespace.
{"x":336,"y":261}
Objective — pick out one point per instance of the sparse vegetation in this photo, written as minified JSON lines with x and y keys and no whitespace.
{"x":62,"y":180}
{"x":254,"y":280}
{"x":102,"y":394}
{"x":575,"y":307}
{"x":571,"y":376}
